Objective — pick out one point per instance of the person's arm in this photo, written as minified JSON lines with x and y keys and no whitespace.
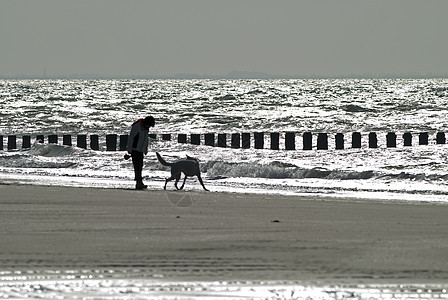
{"x":141,"y":142}
{"x":146,"y":142}
{"x":132,"y":135}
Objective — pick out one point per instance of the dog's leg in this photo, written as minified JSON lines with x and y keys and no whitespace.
{"x":185,"y":179}
{"x":177,"y":181}
{"x":168,"y":179}
{"x":202,"y":183}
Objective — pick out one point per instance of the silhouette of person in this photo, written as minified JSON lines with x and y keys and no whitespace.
{"x":138,"y":146}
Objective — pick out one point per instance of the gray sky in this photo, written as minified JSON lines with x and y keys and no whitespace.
{"x":296,"y":37}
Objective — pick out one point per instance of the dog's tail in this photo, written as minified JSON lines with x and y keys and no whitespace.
{"x":162,"y":161}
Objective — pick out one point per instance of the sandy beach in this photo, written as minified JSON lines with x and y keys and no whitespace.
{"x":221,"y":236}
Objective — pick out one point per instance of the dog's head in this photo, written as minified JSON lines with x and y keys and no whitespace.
{"x":192,"y":158}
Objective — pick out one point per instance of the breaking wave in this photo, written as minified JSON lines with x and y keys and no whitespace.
{"x":53,"y":150}
{"x":356,"y":108}
{"x":42,"y":156}
{"x":274,"y":170}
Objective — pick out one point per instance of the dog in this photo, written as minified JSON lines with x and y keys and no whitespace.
{"x":189,"y":166}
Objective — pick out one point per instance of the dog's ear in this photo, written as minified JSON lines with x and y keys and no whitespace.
{"x":191,"y":158}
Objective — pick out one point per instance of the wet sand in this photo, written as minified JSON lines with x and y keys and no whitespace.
{"x":220,"y":236}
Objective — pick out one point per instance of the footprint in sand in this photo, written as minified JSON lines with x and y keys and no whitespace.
{"x":181,"y":198}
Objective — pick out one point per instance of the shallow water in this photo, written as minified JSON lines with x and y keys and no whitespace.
{"x":79,"y":285}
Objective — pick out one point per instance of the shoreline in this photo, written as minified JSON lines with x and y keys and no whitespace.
{"x":218,"y":236}
{"x":119,"y":184}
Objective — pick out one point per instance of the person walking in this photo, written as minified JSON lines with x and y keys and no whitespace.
{"x":138,"y":146}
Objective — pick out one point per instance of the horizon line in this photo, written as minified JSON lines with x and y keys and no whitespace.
{"x":230,"y":75}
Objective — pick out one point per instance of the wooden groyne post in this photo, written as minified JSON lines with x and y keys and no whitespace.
{"x":259,"y":140}
{"x":373,"y":140}
{"x":235,"y":140}
{"x":40,"y":138}
{"x":407,"y":139}
{"x":423,"y":138}
{"x":222,"y":140}
{"x":81,"y":141}
{"x":275,"y":141}
{"x":307,"y":141}
{"x":26,"y":141}
{"x":290,"y":141}
{"x":52,"y":139}
{"x":440,"y":138}
{"x":94,"y":142}
{"x":124,"y":142}
{"x":182,"y":138}
{"x":391,"y":140}
{"x":339,"y":141}
{"x":12,"y":142}
{"x":111,"y":142}
{"x":195,"y":139}
{"x":322,"y":141}
{"x":67,"y":140}
{"x":245,"y":144}
{"x":209,"y":139}
{"x":356,"y":140}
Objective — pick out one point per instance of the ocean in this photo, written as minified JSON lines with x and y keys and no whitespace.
{"x":330,"y":106}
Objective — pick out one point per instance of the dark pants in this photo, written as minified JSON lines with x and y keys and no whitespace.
{"x":137,"y":161}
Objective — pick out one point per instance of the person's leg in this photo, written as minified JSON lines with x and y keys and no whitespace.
{"x":137,"y":160}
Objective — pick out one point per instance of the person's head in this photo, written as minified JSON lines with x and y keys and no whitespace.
{"x":149,"y":121}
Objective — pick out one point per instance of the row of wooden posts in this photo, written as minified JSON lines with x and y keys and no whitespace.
{"x":116,"y":142}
